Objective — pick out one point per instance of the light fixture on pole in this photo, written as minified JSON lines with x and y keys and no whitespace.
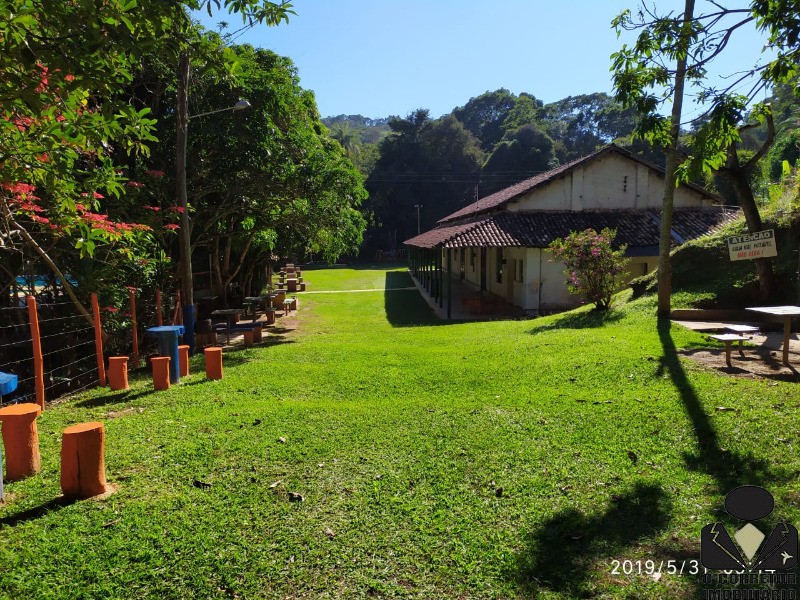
{"x":240,"y":104}
{"x":185,"y":243}
{"x":418,"y":206}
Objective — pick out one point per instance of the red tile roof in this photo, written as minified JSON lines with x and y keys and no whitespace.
{"x":537,"y":229}
{"x":498,"y":199}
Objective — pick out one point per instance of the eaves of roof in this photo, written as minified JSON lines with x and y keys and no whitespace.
{"x":538,"y":229}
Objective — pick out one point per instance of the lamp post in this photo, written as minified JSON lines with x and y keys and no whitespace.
{"x":185,"y":246}
{"x":418,"y":206}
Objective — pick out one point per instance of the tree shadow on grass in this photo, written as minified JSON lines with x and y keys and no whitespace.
{"x":579,"y":320}
{"x":563,"y":552}
{"x":729,"y":469}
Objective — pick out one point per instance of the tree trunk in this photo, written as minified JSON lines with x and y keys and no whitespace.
{"x":737,"y":177}
{"x":670,"y":178}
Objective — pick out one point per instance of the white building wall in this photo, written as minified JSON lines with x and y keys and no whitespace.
{"x":611,"y":181}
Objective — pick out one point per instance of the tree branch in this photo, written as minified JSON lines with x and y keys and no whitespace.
{"x":767,"y":142}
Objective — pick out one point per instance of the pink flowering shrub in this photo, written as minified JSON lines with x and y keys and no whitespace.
{"x":594,"y":268}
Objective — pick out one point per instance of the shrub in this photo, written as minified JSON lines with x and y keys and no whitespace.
{"x":594,"y":267}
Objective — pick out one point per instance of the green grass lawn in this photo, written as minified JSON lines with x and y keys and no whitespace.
{"x":468,"y":460}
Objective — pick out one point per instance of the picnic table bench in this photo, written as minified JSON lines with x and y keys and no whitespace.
{"x":728,"y":339}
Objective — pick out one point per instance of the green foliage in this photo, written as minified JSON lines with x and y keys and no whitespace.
{"x":594,"y":268}
{"x":521,"y":153}
{"x":265,"y":181}
{"x":434,"y":163}
{"x":485,"y":116}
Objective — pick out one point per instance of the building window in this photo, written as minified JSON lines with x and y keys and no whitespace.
{"x":472,"y":258}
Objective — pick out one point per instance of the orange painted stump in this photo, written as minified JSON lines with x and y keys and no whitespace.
{"x":83,"y":470}
{"x":257,"y":333}
{"x":213,"y":362}
{"x":183,"y":356}
{"x":160,"y":372}
{"x":270,"y":314}
{"x":118,"y":372}
{"x":249,"y":337}
{"x":21,"y":440}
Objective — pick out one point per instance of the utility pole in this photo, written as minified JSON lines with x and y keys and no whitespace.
{"x":418,"y":206}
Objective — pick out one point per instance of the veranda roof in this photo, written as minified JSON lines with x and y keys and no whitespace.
{"x":538,"y":229}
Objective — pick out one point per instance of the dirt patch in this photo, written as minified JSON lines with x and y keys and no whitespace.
{"x":753,"y":363}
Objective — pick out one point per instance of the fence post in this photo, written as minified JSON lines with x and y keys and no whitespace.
{"x":135,"y":357}
{"x":159,"y":318}
{"x":38,"y":361}
{"x":98,"y":341}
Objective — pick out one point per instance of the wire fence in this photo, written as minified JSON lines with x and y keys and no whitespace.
{"x":67,"y":344}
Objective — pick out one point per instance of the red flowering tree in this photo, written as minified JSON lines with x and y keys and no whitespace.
{"x":66,"y":124}
{"x":593,"y":267}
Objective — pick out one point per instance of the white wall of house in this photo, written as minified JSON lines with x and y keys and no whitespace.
{"x":530,"y":278}
{"x":608,"y":182}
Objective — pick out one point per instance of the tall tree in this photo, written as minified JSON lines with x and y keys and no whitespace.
{"x":422,"y":162}
{"x":66,"y":122}
{"x":268,"y":180}
{"x":521,"y":153}
{"x":484,"y":116}
{"x":643,"y":78}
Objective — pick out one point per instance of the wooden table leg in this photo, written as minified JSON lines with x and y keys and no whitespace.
{"x":728,"y":352}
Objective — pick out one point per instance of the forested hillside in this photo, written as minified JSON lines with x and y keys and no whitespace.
{"x":420,"y":169}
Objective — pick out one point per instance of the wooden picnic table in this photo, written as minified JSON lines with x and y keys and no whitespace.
{"x":230,"y":315}
{"x":786,"y":313}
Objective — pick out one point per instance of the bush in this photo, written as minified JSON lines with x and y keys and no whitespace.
{"x":594,"y":268}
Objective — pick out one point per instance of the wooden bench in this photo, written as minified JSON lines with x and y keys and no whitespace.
{"x":728,"y":339}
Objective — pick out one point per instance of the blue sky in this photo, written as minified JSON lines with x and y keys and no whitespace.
{"x":386,"y":57}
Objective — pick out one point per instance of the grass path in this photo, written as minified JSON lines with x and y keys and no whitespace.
{"x":472,"y":460}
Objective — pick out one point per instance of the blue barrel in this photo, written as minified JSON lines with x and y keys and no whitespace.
{"x":167,"y":336}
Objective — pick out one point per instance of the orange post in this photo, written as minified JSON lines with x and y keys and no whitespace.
{"x":159,"y":317}
{"x":213,"y":362}
{"x":38,"y":361}
{"x":21,"y":440}
{"x":257,"y":333}
{"x":183,"y":357}
{"x":83,"y":470}
{"x":98,"y":340}
{"x":118,"y":372}
{"x":160,"y":372}
{"x":135,"y":357}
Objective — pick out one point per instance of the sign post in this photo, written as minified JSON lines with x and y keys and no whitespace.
{"x":760,"y":244}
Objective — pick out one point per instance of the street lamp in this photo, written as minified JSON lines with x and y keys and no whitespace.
{"x":185,"y":246}
{"x":418,"y":206}
{"x":238,"y":106}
